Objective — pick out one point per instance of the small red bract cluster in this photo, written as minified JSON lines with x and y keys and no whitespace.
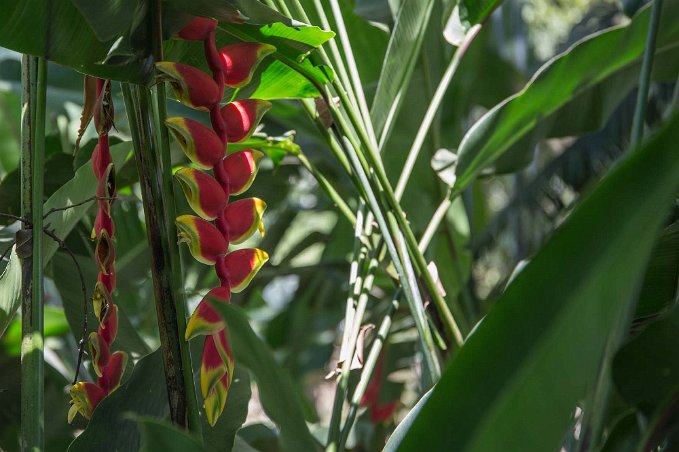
{"x":109,"y":367}
{"x":218,"y":223}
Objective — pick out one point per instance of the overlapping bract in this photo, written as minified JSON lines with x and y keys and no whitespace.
{"x":208,"y":195}
{"x":108,"y":367}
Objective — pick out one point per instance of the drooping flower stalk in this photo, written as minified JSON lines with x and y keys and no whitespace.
{"x":108,"y":367}
{"x":218,"y":223}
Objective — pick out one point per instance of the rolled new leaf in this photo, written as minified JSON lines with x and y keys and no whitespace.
{"x":243,"y":218}
{"x":241,"y":266}
{"x":241,"y":118}
{"x":241,"y":168}
{"x":205,"y":320}
{"x":240,"y":60}
{"x":204,"y":194}
{"x":205,"y":242}
{"x":199,"y":142}
{"x":191,"y":86}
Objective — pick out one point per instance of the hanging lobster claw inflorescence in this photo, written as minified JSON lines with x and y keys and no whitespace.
{"x":108,"y":367}
{"x":208,"y":194}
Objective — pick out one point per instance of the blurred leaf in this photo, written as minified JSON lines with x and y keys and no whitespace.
{"x":144,"y":394}
{"x":658,"y":290}
{"x":443,"y":162}
{"x":159,"y":436}
{"x":277,"y":394}
{"x":584,"y":66}
{"x":402,"y":54}
{"x":624,"y":435}
{"x":649,"y":357}
{"x":401,"y":431}
{"x":551,"y":326}
{"x":82,"y":185}
{"x":55,"y":325}
{"x":57,"y":31}
{"x":476,"y":11}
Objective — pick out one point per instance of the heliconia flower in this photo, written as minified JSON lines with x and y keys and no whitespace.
{"x":241,"y":117}
{"x":191,"y":86}
{"x":198,"y":29}
{"x":85,"y":397}
{"x":243,"y":217}
{"x":100,"y":353}
{"x":216,"y":374}
{"x":107,"y":187}
{"x":103,"y":109}
{"x":104,"y":253}
{"x":240,"y":60}
{"x":205,"y":319}
{"x":204,"y":194}
{"x":102,"y":222}
{"x":102,"y":302}
{"x":206,"y":243}
{"x":113,"y":372}
{"x":241,"y":168}
{"x":109,"y":327}
{"x":100,"y":161}
{"x":199,"y":142}
{"x":107,"y":280}
{"x":241,"y":266}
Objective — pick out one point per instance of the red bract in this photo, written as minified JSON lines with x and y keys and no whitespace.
{"x":205,"y":319}
{"x":240,"y":61}
{"x":240,"y":169}
{"x":204,"y":194}
{"x":198,"y":29}
{"x":206,"y":243}
{"x":241,"y":118}
{"x":243,"y":217}
{"x":191,"y":86}
{"x":199,"y":142}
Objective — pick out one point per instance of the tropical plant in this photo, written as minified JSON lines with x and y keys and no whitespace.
{"x":471,"y":236}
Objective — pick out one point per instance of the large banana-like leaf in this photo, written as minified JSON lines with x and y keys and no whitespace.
{"x":516,"y":381}
{"x":597,"y":60}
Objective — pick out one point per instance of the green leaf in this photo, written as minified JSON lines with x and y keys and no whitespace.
{"x":276,"y":148}
{"x":403,"y":427}
{"x":158,"y":436}
{"x":515,"y":382}
{"x":57,"y":31}
{"x":231,"y":10}
{"x":649,"y":357}
{"x":587,"y":65}
{"x":402,"y":53}
{"x":83,"y":185}
{"x":476,"y":11}
{"x":55,"y":325}
{"x":277,"y":394}
{"x":144,"y":394}
{"x":109,"y":19}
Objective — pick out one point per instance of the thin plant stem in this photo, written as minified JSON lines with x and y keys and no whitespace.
{"x":353,"y":71}
{"x":432,"y":109}
{"x":368,"y":367}
{"x":645,"y":77}
{"x":138,"y":109}
{"x":328,"y":188}
{"x":34,"y":80}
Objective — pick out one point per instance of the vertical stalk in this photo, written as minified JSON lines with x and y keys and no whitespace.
{"x":34,"y":72}
{"x":164,"y":161}
{"x":645,"y":78}
{"x":138,"y":109}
